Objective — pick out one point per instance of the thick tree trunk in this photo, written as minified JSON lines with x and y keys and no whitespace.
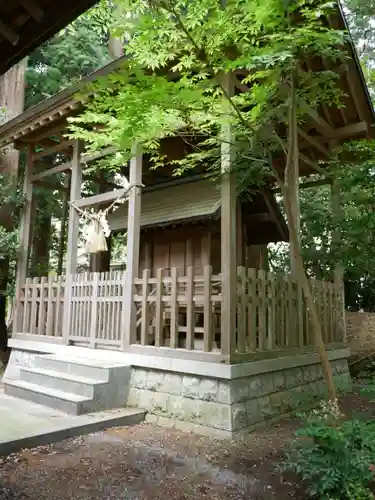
{"x":12,"y":99}
{"x":12,"y":92}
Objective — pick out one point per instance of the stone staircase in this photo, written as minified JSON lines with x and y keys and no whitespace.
{"x":74,"y":386}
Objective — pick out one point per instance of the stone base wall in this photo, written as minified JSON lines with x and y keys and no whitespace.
{"x":225,"y":407}
{"x":208,"y":398}
{"x":360,"y":328}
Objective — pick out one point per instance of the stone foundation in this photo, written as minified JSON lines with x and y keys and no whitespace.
{"x":209,"y":398}
{"x":223,"y":407}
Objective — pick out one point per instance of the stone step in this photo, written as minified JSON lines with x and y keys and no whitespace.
{"x":82,"y":367}
{"x":59,"y":400}
{"x":65,"y":382}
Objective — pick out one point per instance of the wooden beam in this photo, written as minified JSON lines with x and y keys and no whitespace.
{"x":8,"y":33}
{"x":99,"y":155}
{"x":25,"y":237}
{"x":308,"y":184}
{"x":133,"y":237}
{"x":33,"y":9}
{"x":51,"y":185}
{"x":97,"y":199}
{"x":321,"y":125}
{"x":314,"y":141}
{"x":313,"y":164}
{"x":355,"y":90}
{"x":50,"y":171}
{"x":349,"y":131}
{"x":61,"y":146}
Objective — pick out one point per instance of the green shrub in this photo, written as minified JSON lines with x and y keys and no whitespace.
{"x":334,"y":457}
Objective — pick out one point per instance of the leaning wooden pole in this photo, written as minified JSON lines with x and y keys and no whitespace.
{"x":288,"y":186}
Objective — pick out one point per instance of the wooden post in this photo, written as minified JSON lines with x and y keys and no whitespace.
{"x":134,"y":226}
{"x":228,"y":239}
{"x":25,"y":237}
{"x":73,"y":227}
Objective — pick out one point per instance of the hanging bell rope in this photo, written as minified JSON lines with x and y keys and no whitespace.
{"x":97,"y":227}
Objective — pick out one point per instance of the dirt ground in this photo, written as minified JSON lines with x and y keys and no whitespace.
{"x":146,"y":462}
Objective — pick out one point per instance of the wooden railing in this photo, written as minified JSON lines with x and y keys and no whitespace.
{"x":96,"y":307}
{"x":40,"y":305}
{"x":178,"y":312}
{"x":272,"y":312}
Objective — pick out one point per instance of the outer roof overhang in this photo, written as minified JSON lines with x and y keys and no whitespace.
{"x":323,"y":127}
{"x":26,"y":24}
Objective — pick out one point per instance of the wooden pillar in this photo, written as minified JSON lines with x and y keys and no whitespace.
{"x":228,"y":239}
{"x":73,"y":225}
{"x":25,"y":235}
{"x":134,"y":226}
{"x":73,"y":233}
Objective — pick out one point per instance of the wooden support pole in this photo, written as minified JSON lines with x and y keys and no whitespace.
{"x":228,"y":239}
{"x":134,"y":225}
{"x":25,"y":237}
{"x":73,"y":227}
{"x":338,"y":269}
{"x":295,"y":204}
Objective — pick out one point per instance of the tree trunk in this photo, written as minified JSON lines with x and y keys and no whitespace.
{"x":12,"y":99}
{"x":12,"y":92}
{"x":63,"y":232}
{"x":287,"y":187}
{"x":41,"y":244}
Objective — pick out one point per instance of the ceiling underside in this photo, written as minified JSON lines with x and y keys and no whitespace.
{"x":26,"y":24}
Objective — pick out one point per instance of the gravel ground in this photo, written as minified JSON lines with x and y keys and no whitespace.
{"x":144,"y":462}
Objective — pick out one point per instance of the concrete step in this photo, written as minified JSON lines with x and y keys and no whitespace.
{"x":82,"y":367}
{"x":65,"y":382}
{"x":59,"y":400}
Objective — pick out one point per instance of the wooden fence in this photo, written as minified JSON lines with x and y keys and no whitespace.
{"x":272,"y":312}
{"x":40,"y":306}
{"x":178,"y":311}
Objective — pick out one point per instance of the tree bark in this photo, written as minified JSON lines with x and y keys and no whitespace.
{"x":12,"y":93}
{"x":41,"y":244}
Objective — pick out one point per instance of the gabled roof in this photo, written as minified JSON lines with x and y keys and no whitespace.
{"x":198,"y":200}
{"x":26,"y":24}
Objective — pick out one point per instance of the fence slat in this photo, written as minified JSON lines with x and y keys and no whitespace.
{"x":174,"y":309}
{"x":242,"y":310}
{"x":50,"y":306}
{"x":42,"y":308}
{"x":272,"y":312}
{"x":262,"y":309}
{"x":94,"y":308}
{"x":145,"y":307}
{"x":159,"y":308}
{"x":207,"y":310}
{"x":252,"y":309}
{"x":190,"y":316}
{"x":34,"y":306}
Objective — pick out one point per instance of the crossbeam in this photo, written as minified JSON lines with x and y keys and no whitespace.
{"x":97,"y":199}
{"x":51,"y":171}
